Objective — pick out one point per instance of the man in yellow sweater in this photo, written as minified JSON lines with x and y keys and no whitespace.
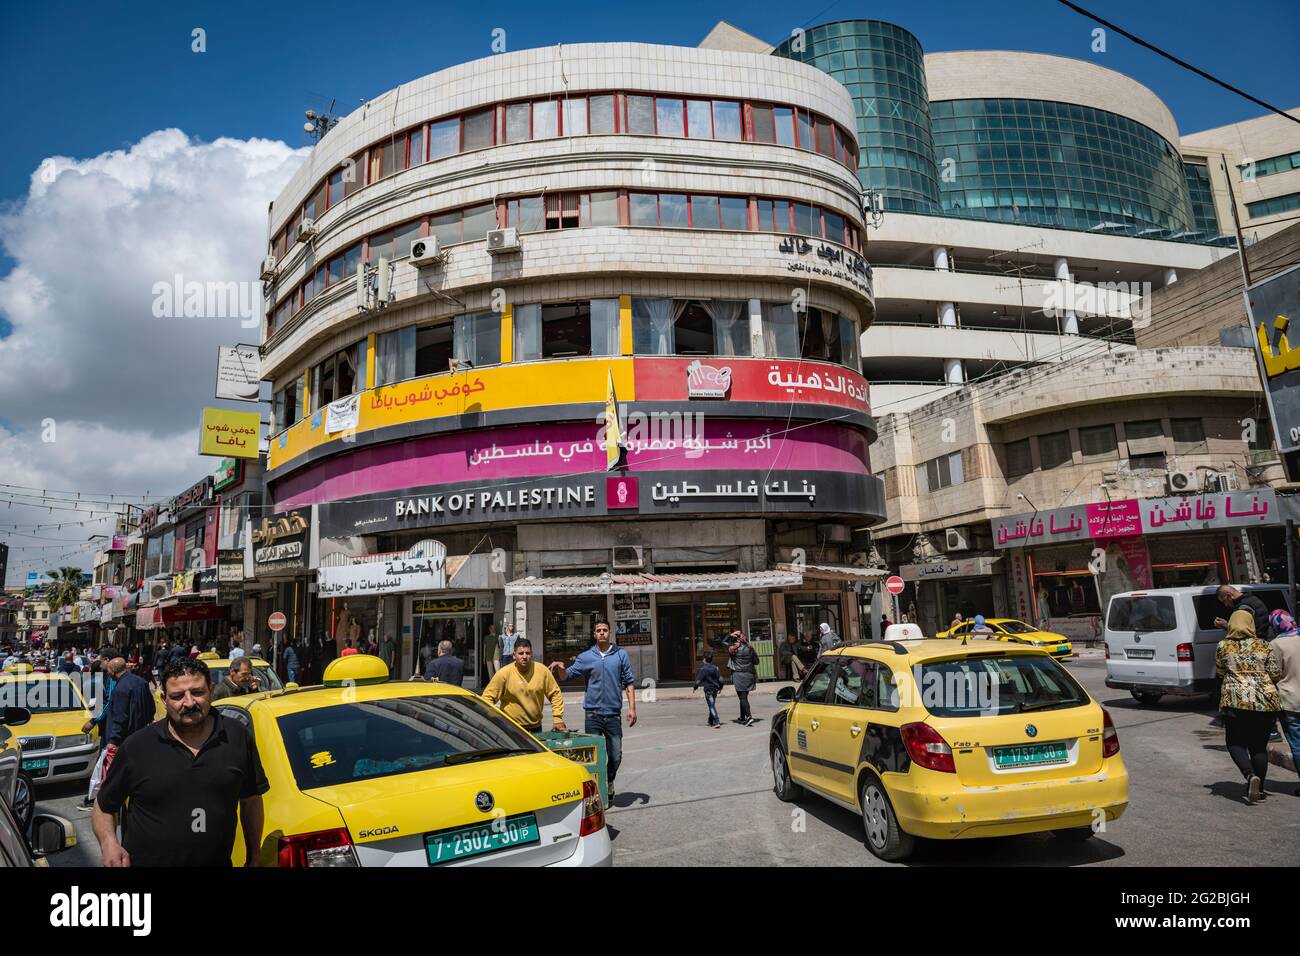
{"x":520,"y":690}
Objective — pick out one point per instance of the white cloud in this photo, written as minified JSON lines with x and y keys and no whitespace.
{"x":89,"y":242}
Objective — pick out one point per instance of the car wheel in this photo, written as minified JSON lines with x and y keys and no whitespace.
{"x":885,"y":838}
{"x":785,"y":788}
{"x":24,"y":801}
{"x":1147,"y":696}
{"x":1074,"y":834}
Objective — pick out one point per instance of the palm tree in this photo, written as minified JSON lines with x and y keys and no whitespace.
{"x":64,"y":588}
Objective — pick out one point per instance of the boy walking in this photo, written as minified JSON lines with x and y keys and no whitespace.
{"x":710,"y":678}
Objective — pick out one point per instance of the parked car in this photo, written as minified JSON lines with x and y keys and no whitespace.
{"x":1163,"y":640}
{"x":16,"y":788}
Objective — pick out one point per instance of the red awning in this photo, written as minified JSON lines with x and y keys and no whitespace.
{"x":177,"y":613}
{"x":146,"y":618}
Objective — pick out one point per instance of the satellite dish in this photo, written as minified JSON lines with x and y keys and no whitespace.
{"x":308,"y":127}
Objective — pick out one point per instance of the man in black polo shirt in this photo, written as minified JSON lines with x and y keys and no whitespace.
{"x":182,"y":779}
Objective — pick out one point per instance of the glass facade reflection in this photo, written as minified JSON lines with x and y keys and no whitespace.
{"x":883,"y":68}
{"x":1198,"y":187}
{"x":1057,"y":164}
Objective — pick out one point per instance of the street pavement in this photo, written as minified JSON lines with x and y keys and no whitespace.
{"x":689,"y":795}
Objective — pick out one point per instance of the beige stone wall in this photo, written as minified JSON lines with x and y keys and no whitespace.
{"x":1249,"y":141}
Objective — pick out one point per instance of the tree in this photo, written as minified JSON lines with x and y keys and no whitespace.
{"x":64,"y":588}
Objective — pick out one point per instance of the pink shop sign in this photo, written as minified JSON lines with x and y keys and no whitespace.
{"x":1114,"y":519}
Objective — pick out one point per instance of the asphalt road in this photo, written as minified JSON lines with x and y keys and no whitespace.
{"x":692,"y":796}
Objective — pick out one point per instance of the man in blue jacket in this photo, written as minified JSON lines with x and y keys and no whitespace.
{"x":130,"y":708}
{"x":609,"y":676}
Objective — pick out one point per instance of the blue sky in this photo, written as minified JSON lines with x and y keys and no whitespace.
{"x":89,"y":77}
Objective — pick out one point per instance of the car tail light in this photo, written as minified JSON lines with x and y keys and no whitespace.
{"x":1109,"y":736}
{"x":321,"y":848}
{"x":926,"y":746}
{"x":593,"y":811}
{"x":1184,"y":652}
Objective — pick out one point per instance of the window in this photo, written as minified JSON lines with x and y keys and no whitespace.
{"x":383,"y":158}
{"x":699,"y":119}
{"x":433,"y":349}
{"x":735,"y":212}
{"x":783,"y":123}
{"x":805,"y":130}
{"x":817,"y":684}
{"x":562,"y":211}
{"x":941,"y":472}
{"x":545,"y":120}
{"x":704,"y":212}
{"x":817,"y":328}
{"x":1145,"y":614}
{"x":340,"y":375}
{"x":575,"y":116}
{"x":415,"y":147}
{"x":1145,"y":441}
{"x":1098,"y":442}
{"x":1189,"y":436}
{"x":601,"y":114}
{"x":807,"y":221}
{"x":315,"y":206}
{"x":641,"y":115}
{"x":478,"y":130}
{"x":394,"y":243}
{"x":1019,"y":458}
{"x":285,"y":405}
{"x":566,"y":330}
{"x":519,"y":122}
{"x":336,"y":188}
{"x":395,"y":356}
{"x":354,"y":173}
{"x":850,"y":347}
{"x":345,"y":265}
{"x":445,"y":228}
{"x":652,"y":326}
{"x":726,"y":119}
{"x":476,"y":221}
{"x":780,"y":330}
{"x":1020,"y":683}
{"x":764,"y":124}
{"x":1054,"y":450}
{"x":601,"y":209}
{"x":834,"y":226}
{"x":527,"y":214}
{"x":643,"y":209}
{"x":444,"y":138}
{"x":477,"y":338}
{"x":1154,"y":461}
{"x":672,"y":210}
{"x":670,"y":117}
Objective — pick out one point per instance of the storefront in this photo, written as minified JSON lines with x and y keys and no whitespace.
{"x":689,"y":625}
{"x":942,"y":589}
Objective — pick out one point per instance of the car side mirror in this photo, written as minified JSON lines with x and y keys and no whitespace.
{"x":785,"y":695}
{"x":90,"y":704}
{"x":15,"y":716}
{"x":51,"y":834}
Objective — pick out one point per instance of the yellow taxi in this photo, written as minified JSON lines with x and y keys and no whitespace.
{"x":1015,"y":632}
{"x":369,"y":772}
{"x":54,"y":746}
{"x":218,"y":668}
{"x":947,"y":740}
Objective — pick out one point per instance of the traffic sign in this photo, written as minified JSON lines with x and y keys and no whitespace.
{"x":276,"y":621}
{"x":894,"y":584}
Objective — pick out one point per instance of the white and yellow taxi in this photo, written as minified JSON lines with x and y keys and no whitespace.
{"x":55,"y":748}
{"x":947,"y":740}
{"x":1011,"y":631}
{"x":368,"y":772}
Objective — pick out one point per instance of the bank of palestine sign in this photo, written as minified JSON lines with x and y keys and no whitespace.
{"x":1274,"y":306}
{"x":227,"y":434}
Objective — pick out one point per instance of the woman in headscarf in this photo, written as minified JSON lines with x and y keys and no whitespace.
{"x":1249,"y":698}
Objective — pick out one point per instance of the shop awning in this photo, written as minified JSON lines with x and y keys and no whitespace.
{"x":836,"y":572}
{"x":646,"y":582}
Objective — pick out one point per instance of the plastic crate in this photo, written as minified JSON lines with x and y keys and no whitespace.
{"x":585,"y":749}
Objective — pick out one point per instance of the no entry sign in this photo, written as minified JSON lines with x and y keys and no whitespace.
{"x":894,"y":584}
{"x":276,"y":621}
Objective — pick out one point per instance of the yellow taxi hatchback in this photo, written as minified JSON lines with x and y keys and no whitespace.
{"x":54,"y":746}
{"x":367,"y":772}
{"x":943,"y":740}
{"x":1015,"y":632}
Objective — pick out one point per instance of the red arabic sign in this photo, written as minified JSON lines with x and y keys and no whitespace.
{"x":751,"y":380}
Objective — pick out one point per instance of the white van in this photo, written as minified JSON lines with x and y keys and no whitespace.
{"x":1163,"y":641}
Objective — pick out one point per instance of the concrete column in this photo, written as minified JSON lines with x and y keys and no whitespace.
{"x":1070,"y":322}
{"x":941,"y":259}
{"x":952,"y":372}
{"x":1171,"y":276}
{"x":948,"y":315}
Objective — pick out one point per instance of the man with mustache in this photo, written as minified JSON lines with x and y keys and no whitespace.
{"x":187,"y":783}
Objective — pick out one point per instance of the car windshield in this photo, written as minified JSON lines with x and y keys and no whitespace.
{"x":41,"y":696}
{"x":987,"y":686}
{"x":346,"y":742}
{"x":1145,"y":613}
{"x":1016,"y":627}
{"x":266,"y":678}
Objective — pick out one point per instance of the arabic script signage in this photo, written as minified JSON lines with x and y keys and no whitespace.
{"x":396,"y":575}
{"x":757,"y":380}
{"x":1275,"y":316}
{"x":1134,"y":516}
{"x":833,"y":261}
{"x":227,"y":434}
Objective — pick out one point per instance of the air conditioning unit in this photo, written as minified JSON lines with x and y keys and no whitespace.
{"x":503,"y":240}
{"x":424,"y":251}
{"x":956,"y":539}
{"x":268,"y":269}
{"x":1220,"y":481}
{"x":159,"y":589}
{"x":628,"y":556}
{"x":1181,"y":482}
{"x":307,"y":230}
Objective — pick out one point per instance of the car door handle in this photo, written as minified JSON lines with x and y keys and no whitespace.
{"x":855,"y":730}
{"x":815,"y":724}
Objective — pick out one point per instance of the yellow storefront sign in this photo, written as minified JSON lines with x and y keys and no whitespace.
{"x":467,"y":392}
{"x":229,"y":434}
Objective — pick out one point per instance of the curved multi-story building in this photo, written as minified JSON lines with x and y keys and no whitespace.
{"x":534,"y":234}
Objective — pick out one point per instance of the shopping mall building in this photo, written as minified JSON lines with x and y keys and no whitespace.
{"x":680,"y":227}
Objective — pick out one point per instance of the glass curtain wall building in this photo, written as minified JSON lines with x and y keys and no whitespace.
{"x":882,"y":66}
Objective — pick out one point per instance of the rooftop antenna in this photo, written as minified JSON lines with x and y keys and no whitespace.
{"x":318,"y":124}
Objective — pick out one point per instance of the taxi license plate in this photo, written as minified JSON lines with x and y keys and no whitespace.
{"x":1140,"y":653}
{"x":34,"y":765}
{"x":480,"y":838}
{"x":1029,"y":755}
{"x":1062,"y":648}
